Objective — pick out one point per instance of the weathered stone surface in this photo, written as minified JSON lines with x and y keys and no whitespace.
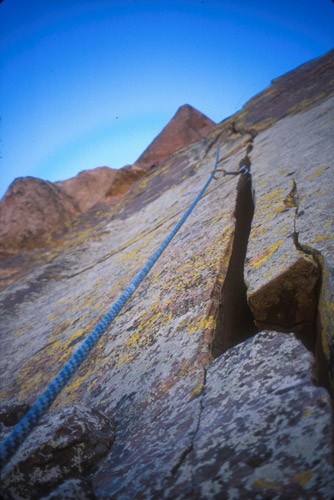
{"x":175,"y":298}
{"x":295,"y":92}
{"x":29,"y":209}
{"x":263,"y":430}
{"x":89,"y":186}
{"x":291,"y":241}
{"x":65,"y":444}
{"x":187,"y":125}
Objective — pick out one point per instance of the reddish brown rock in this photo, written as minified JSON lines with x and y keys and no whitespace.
{"x":187,"y":125}
{"x":30,"y":208}
{"x":96,"y":186}
{"x":89,"y":186}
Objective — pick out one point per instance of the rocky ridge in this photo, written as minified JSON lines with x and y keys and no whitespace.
{"x":255,"y":421}
{"x":32,"y":211}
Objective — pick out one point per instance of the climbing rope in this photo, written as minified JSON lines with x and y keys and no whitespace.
{"x":30,"y":420}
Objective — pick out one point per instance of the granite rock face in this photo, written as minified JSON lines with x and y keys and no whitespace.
{"x":296,"y":91}
{"x":89,"y":186}
{"x":252,"y":423}
{"x":64,"y":445}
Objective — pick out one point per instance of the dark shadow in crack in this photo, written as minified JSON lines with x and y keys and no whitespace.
{"x":235,"y":322}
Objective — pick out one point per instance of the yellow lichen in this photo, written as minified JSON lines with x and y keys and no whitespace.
{"x":261,"y":258}
{"x":307,"y":412}
{"x":124,"y":359}
{"x":263,"y":484}
{"x":52,"y":317}
{"x":203,"y":324}
{"x":316,"y":172}
{"x":303,"y":478}
{"x":132,"y":340}
{"x":322,"y":238}
{"x":23,"y":329}
{"x":274,"y":194}
{"x":276,"y":210}
{"x":197,"y":390}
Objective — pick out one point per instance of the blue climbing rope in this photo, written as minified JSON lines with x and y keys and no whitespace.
{"x":30,"y":420}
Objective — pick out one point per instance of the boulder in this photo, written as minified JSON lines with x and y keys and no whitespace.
{"x":64,"y":444}
{"x":98,"y":185}
{"x":264,"y":427}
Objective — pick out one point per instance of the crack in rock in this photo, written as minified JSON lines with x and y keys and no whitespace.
{"x":288,"y":302}
{"x":235,"y":322}
{"x":324,"y":368}
{"x":175,"y":470}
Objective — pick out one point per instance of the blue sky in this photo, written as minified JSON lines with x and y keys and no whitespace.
{"x":89,"y":83}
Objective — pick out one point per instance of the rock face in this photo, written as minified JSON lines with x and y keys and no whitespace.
{"x":73,"y":489}
{"x":30,"y":208}
{"x":187,"y":125}
{"x":203,"y":407}
{"x":289,"y":94}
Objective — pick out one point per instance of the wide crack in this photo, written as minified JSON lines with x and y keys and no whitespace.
{"x":235,"y":322}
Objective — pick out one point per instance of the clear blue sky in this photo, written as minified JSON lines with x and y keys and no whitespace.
{"x":89,"y":83}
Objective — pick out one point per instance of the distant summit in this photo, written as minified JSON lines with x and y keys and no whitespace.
{"x":187,"y":125}
{"x":31,"y":207}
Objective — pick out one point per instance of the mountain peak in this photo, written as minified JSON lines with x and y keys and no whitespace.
{"x":186,"y":126}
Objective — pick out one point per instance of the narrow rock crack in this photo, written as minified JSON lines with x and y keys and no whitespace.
{"x":235,"y":322}
{"x":190,"y":447}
